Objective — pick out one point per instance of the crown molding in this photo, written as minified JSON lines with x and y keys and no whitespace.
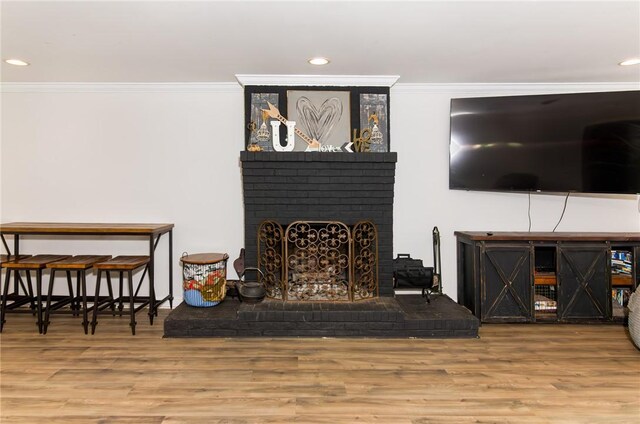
{"x":232,"y":87}
{"x":321,"y":80}
{"x":100,"y":87}
{"x":511,"y":88}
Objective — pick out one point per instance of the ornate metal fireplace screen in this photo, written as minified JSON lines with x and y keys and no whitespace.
{"x":319,"y":260}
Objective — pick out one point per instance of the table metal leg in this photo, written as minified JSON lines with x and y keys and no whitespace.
{"x":16,"y":252}
{"x":170,"y":269}
{"x":6,"y":246}
{"x":152,"y":294}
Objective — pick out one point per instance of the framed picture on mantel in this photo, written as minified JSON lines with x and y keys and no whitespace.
{"x":313,"y":118}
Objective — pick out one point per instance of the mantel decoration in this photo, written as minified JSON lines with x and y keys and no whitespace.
{"x":325,"y":119}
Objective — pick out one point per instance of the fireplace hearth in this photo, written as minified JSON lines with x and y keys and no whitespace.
{"x":404,"y":316}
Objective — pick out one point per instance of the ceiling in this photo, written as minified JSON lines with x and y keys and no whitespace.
{"x":421,"y":41}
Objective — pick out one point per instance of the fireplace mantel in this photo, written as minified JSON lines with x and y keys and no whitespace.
{"x":373,"y":157}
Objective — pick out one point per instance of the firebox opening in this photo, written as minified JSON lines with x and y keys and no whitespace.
{"x":319,"y":260}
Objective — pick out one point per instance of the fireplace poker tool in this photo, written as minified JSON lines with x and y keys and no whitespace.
{"x":437,"y":265}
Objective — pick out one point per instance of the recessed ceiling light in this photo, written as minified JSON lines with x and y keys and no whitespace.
{"x":628,"y":62}
{"x":318,"y":61}
{"x":17,"y":62}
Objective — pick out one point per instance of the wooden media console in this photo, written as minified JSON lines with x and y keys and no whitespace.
{"x":546,"y":276}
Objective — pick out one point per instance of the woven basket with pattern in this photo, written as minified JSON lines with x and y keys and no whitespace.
{"x":634,"y":317}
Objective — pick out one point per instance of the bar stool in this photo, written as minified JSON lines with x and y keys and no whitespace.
{"x":122,"y":264}
{"x":17,"y":299}
{"x":34,"y":263}
{"x":80,"y":264}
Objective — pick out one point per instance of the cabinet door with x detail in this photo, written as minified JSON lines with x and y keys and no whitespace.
{"x":583,"y":282}
{"x":506,"y":278}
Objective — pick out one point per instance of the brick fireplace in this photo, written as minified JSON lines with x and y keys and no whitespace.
{"x":317,"y":187}
{"x":325,"y":197}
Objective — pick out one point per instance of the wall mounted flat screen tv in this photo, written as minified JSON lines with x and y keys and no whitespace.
{"x":584,"y":142}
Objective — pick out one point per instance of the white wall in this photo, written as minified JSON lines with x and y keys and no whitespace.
{"x":170,"y":153}
{"x":420,"y":135}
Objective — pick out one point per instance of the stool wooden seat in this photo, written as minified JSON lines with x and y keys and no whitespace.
{"x":123,"y":264}
{"x":7,"y":258}
{"x":15,"y":297}
{"x":78,"y":264}
{"x":33,"y":263}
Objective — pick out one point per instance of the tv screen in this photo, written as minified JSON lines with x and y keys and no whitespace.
{"x":584,"y":142}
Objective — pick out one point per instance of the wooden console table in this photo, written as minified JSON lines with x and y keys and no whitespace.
{"x":544,"y":276}
{"x":152,"y":232}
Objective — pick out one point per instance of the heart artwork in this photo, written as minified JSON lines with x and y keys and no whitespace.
{"x":319,"y":122}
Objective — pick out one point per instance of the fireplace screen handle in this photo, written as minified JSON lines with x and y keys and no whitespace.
{"x":252,"y":269}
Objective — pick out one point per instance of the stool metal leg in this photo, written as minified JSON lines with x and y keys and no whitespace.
{"x":34,"y":306}
{"x":48,"y":308}
{"x":120,"y":305}
{"x":85,"y":318}
{"x":16,"y":289}
{"x":39,"y":299}
{"x":73,"y":298}
{"x":78,"y":292}
{"x":111,"y":298}
{"x":132,"y":303}
{"x":28,"y":292}
{"x":96,"y":303}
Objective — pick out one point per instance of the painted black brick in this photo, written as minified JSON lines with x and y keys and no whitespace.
{"x":287,"y":187}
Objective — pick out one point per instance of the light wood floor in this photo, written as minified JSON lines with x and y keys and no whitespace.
{"x":512,"y":374}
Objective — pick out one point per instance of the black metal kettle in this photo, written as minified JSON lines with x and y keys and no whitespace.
{"x":251,"y":291}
